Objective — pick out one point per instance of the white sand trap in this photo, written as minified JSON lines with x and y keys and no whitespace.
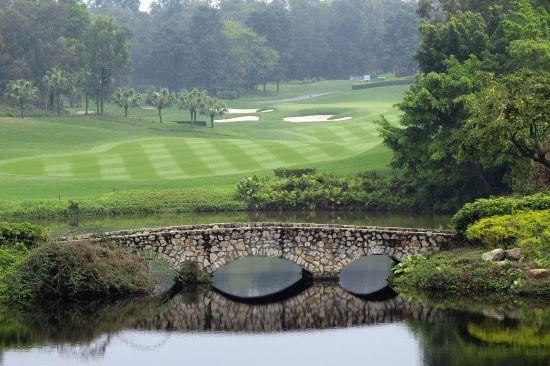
{"x":148,"y":107}
{"x":241,"y":111}
{"x":239,"y":119}
{"x":82,"y":113}
{"x":315,"y":118}
{"x":268,"y":111}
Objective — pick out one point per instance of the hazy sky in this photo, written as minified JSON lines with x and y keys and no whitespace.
{"x":145,"y":4}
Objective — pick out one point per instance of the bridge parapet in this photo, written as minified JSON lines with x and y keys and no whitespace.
{"x":322,"y":250}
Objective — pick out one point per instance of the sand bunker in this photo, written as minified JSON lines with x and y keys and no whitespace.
{"x":268,"y":111}
{"x":82,"y":113}
{"x":241,"y":111}
{"x":315,"y":118}
{"x":148,"y":107}
{"x":239,"y":119}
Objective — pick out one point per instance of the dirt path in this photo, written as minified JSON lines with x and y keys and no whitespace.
{"x":294,"y":99}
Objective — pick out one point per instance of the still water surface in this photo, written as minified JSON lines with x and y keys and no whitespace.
{"x":322,"y":325}
{"x":83,"y":225}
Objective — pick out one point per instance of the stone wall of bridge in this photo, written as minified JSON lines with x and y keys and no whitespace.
{"x":322,"y":250}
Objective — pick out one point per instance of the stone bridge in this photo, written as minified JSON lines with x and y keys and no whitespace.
{"x":322,"y":250}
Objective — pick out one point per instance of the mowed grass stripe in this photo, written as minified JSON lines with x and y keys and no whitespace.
{"x":112,"y":166}
{"x":33,"y":167}
{"x":162,"y":161}
{"x":188,"y":157}
{"x":58,"y":168}
{"x":260,"y":154}
{"x":233,"y":151}
{"x":211,"y":160}
{"x":287,"y":152}
{"x":85,"y":166}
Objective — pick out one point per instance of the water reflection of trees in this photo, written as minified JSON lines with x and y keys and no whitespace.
{"x":473,"y":339}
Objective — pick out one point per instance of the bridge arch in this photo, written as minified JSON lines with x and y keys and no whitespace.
{"x":322,"y":250}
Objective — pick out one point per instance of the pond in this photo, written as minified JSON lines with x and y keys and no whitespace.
{"x":62,"y":227}
{"x":318,"y":323}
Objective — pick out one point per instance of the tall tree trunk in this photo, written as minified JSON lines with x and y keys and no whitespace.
{"x":160,"y":114}
{"x":125,"y":112}
{"x":59,"y":104}
{"x":102,"y":100}
{"x":211,"y":121}
{"x":22,"y":107}
{"x":87,"y":103}
{"x":265,"y":87}
{"x":278,"y":82}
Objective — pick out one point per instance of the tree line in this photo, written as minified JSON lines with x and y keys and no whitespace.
{"x":51,"y":51}
{"x":232,"y":46}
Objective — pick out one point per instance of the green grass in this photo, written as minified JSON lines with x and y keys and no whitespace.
{"x":85,"y":156}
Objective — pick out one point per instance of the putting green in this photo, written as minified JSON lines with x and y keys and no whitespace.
{"x":82,"y":156}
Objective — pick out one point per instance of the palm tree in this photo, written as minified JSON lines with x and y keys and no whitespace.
{"x":160,"y":99}
{"x":213,"y":107}
{"x":126,"y":98}
{"x":59,"y":82}
{"x":21,"y":92}
{"x":193,"y":101}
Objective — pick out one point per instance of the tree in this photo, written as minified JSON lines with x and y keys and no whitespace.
{"x":21,"y":92}
{"x":126,"y":98}
{"x":273,"y":22}
{"x":60,"y":83}
{"x":192,"y":101}
{"x":428,"y":146}
{"x":465,"y":34}
{"x":160,"y":99}
{"x":213,"y":107}
{"x":107,"y":55}
{"x":511,"y":115}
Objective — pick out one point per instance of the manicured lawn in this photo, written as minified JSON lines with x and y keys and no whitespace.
{"x":78,"y":156}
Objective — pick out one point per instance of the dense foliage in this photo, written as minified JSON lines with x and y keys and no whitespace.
{"x":12,"y":257}
{"x":303,"y":190}
{"x":75,"y":270}
{"x":475,"y":121}
{"x":487,"y":207}
{"x":529,"y":230}
{"x":23,"y":233}
{"x":60,"y":49}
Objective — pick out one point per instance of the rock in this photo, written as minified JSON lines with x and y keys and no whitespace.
{"x":494,"y":255}
{"x":513,"y":254}
{"x":538,"y":274}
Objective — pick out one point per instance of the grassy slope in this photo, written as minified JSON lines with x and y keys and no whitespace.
{"x":78,"y":156}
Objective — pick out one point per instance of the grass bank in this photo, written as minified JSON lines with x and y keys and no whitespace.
{"x":127,"y":203}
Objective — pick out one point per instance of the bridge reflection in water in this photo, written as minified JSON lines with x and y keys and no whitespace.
{"x":323,"y":305}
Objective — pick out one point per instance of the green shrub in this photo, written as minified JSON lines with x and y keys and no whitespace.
{"x":452,"y":273}
{"x":370,"y":191}
{"x":77,"y":270}
{"x":11,"y":258}
{"x":509,"y":230}
{"x":25,"y":233}
{"x":487,"y":207}
{"x":293,"y":172}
